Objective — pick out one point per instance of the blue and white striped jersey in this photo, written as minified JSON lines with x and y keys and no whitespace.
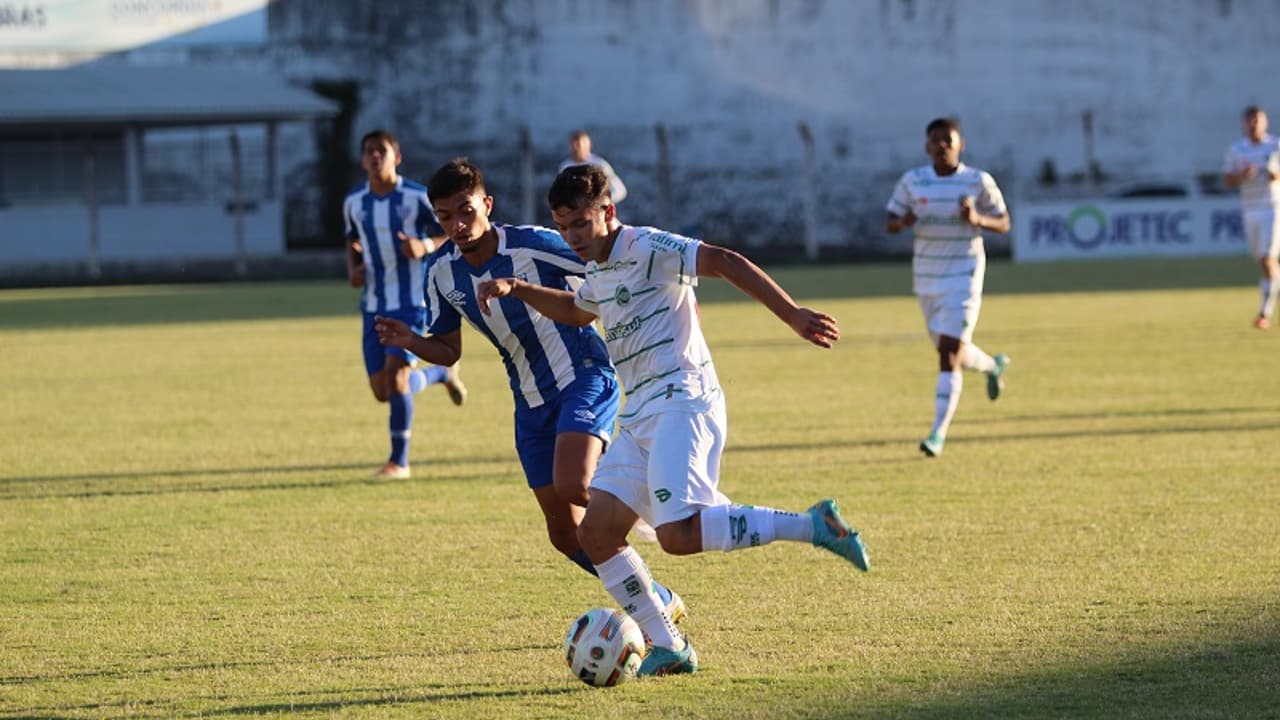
{"x":541,"y":356}
{"x":391,"y":280}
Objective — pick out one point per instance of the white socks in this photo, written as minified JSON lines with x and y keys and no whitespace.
{"x":946,"y":400}
{"x":734,"y":527}
{"x":1268,"y":289}
{"x":628,"y":580}
{"x":977,"y":360}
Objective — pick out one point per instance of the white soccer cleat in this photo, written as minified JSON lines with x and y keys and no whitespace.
{"x":392,"y":471}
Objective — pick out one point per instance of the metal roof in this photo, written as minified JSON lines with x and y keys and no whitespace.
{"x":96,"y":95}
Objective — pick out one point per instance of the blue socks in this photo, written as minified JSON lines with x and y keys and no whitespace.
{"x":420,"y":378}
{"x":401,"y":427}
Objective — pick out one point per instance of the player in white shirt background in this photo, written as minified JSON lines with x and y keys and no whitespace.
{"x":1253,"y":165}
{"x":948,"y":204}
{"x":580,"y":154}
{"x":664,"y":464}
{"x":390,"y":229}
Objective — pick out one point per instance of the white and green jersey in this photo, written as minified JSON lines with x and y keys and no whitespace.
{"x":643,"y":295}
{"x":948,"y":255}
{"x":1259,"y":192}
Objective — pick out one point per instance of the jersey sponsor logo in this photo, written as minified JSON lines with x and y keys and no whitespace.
{"x":457,"y":297}
{"x":666,"y":241}
{"x":662,"y":494}
{"x":616,"y":265}
{"x":622,"y":330}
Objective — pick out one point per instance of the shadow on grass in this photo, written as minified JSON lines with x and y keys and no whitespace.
{"x":360,"y":476}
{"x":184,"y":304}
{"x":1229,"y":681}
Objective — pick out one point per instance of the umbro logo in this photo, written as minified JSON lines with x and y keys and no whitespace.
{"x":584,"y":414}
{"x":662,"y":494}
{"x":457,"y":297}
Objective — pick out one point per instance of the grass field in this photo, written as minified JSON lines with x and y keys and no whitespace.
{"x":186,"y":527}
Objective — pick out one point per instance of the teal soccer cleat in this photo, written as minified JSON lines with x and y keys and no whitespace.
{"x":664,"y":661}
{"x":831,"y":532}
{"x":932,"y":445}
{"x":995,"y":378}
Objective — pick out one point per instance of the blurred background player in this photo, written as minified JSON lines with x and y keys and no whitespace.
{"x":389,"y":230}
{"x":949,"y":204}
{"x":1253,"y":165}
{"x":580,"y":154}
{"x":664,"y":464}
{"x":565,"y":389}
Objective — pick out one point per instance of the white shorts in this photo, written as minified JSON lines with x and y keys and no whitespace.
{"x":666,"y":467}
{"x":1260,"y":231}
{"x":954,"y":314}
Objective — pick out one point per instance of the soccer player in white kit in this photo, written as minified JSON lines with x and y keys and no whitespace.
{"x":1253,"y":165}
{"x":664,"y":464}
{"x":948,"y":204}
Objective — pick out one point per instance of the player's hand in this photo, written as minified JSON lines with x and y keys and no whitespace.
{"x":816,"y":327}
{"x":968,"y":215}
{"x":355,"y":275}
{"x":907,"y":220}
{"x":392,"y":332}
{"x":492,"y":290}
{"x":1248,"y":172}
{"x":414,"y":248}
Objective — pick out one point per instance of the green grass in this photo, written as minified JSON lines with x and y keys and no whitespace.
{"x":186,"y":527}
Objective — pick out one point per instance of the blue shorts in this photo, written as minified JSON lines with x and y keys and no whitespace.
{"x":588,"y":405}
{"x":375,"y":353}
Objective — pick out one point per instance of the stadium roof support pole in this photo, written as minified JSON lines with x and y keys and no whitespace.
{"x":132,"y":166}
{"x":91,"y":202}
{"x":275,"y":187}
{"x":237,"y":202}
{"x":810,"y":193}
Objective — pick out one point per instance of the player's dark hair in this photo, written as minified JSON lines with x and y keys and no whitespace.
{"x":946,"y":124}
{"x":577,"y":134}
{"x":380,"y":136}
{"x":457,"y":175}
{"x":579,"y":184}
{"x":1251,"y":110}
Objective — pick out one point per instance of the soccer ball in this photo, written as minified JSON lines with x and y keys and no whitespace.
{"x":604,"y":647}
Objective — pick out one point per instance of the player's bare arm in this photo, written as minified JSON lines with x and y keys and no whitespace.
{"x":415,"y":248}
{"x":995,"y":223}
{"x":896,"y":223}
{"x":555,"y":304}
{"x":355,"y":264}
{"x":816,"y":327}
{"x":435,"y":349}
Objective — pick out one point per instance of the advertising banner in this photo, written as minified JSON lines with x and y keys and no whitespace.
{"x":1127,"y":228}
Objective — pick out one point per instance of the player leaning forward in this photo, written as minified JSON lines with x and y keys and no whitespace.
{"x":664,"y":464}
{"x":949,"y":204}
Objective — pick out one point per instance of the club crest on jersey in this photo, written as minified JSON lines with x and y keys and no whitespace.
{"x":622,"y":295}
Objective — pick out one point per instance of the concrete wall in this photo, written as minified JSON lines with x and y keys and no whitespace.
{"x":730,"y":80}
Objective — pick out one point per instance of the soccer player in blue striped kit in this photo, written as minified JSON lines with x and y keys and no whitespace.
{"x":390,"y":228}
{"x":566,"y":394}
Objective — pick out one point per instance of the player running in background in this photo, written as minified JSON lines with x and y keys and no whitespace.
{"x":389,"y":230}
{"x":565,"y":389}
{"x":580,"y":154}
{"x":948,"y":204}
{"x":664,"y":465}
{"x":1253,"y":165}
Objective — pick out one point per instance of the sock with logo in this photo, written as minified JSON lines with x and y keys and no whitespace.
{"x":628,"y":580}
{"x":946,"y":399}
{"x":734,"y":527}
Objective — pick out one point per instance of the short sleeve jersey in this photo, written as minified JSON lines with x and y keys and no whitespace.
{"x":392,"y":281}
{"x":948,"y":255}
{"x":1259,"y":192}
{"x":541,"y":357}
{"x":644,"y":297}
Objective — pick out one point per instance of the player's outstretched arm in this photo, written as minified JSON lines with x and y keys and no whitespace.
{"x":435,"y":349}
{"x":816,"y":327}
{"x":555,"y":304}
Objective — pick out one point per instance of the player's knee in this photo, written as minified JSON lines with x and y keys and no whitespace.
{"x":565,"y":540}
{"x":679,"y":538}
{"x":572,"y":490}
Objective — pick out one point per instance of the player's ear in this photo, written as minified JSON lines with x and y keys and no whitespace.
{"x":610,"y":212}
{"x":488,"y":205}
